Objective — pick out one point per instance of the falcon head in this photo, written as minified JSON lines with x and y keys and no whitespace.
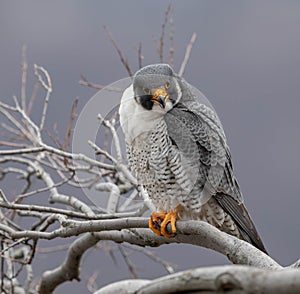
{"x":156,"y":87}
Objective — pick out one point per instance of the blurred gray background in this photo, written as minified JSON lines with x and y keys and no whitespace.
{"x":246,"y":61}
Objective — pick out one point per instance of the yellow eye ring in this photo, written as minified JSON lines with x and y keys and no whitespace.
{"x":147,"y":91}
{"x":167,"y":85}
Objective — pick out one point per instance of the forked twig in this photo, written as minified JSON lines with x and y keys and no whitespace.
{"x":111,"y":127}
{"x":47,"y":85}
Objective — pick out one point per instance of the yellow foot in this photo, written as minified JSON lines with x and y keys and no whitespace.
{"x":159,"y":221}
{"x":156,"y":220}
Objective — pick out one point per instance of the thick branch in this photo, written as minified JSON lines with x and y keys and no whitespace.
{"x":197,"y":233}
{"x":190,"y":232}
{"x":200,"y":234}
{"x":220,"y":279}
{"x":69,"y":269}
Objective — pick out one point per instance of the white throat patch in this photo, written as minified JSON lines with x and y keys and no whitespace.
{"x":134,"y":119}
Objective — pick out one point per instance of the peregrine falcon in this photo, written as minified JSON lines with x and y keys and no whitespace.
{"x":177,"y":150}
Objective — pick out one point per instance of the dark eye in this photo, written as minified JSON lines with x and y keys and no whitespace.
{"x":167,"y":85}
{"x":147,"y":91}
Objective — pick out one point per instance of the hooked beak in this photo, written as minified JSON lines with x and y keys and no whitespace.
{"x":160,"y":97}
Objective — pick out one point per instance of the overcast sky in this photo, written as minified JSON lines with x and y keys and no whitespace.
{"x":246,"y":61}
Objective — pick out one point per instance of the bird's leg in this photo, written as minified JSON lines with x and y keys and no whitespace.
{"x":159,"y":221}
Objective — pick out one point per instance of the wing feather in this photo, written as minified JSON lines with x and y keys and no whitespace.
{"x":201,"y":123}
{"x":240,"y":215}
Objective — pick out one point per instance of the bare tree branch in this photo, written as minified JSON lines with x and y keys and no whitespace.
{"x":27,"y":156}
{"x":296,"y":264}
{"x":69,"y":269}
{"x":21,"y":151}
{"x":32,"y":98}
{"x":47,"y":85}
{"x":169,"y":267}
{"x":121,"y":55}
{"x":187,"y":54}
{"x":190,"y":232}
{"x":162,"y":35}
{"x":24,"y":77}
{"x":238,"y":251}
{"x":70,"y":124}
{"x":110,"y":126}
{"x":85,"y":82}
{"x":201,"y":234}
{"x":124,"y":287}
{"x":140,"y":56}
{"x":171,"y":38}
{"x":91,"y":284}
{"x":130,"y":265}
{"x":218,"y":279}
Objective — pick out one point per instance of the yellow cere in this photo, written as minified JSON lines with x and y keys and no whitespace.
{"x":159,"y":92}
